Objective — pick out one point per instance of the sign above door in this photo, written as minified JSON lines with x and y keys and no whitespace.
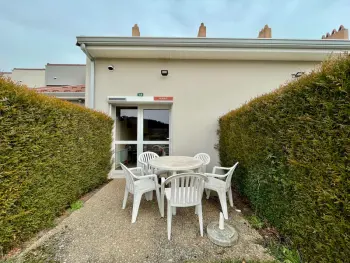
{"x":163,"y":98}
{"x":140,"y":99}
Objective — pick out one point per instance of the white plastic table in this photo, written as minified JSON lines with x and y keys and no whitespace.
{"x":175,"y":163}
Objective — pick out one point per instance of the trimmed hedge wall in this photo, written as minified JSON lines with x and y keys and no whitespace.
{"x":293,"y":146}
{"x":51,"y":153}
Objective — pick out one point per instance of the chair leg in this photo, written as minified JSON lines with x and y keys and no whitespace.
{"x":149,"y":196}
{"x":196,"y":210}
{"x":174,"y":210}
{"x":200,"y":217}
{"x":207,"y":191}
{"x":159,"y":202}
{"x":126,"y":193}
{"x":223,"y":202}
{"x":162,"y":204}
{"x":169,"y":220}
{"x":135,"y":207}
{"x":230,"y":196}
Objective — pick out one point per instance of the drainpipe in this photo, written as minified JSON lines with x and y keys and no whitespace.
{"x":92,"y":77}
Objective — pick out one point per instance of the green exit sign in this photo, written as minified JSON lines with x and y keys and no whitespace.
{"x":139,"y":94}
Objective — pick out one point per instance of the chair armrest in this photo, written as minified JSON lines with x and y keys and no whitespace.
{"x":215,"y":175}
{"x":138,"y":169}
{"x":220,"y":168}
{"x":150,"y":176}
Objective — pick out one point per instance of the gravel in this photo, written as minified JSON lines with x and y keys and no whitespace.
{"x":101,"y":231}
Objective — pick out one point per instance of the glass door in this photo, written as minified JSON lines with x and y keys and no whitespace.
{"x":139,"y":129}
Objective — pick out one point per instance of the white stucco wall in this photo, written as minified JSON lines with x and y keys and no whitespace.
{"x":33,"y":78}
{"x":202,"y":90}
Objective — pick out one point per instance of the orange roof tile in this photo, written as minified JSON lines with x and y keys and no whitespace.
{"x":76,"y":88}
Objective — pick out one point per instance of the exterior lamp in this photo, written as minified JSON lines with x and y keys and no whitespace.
{"x":164,"y":72}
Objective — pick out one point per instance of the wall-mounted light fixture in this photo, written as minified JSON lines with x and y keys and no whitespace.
{"x":164,"y":72}
{"x":298,"y":74}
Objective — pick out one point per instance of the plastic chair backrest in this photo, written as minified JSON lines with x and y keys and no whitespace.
{"x":229,"y":175}
{"x":129,"y":178}
{"x":144,"y":158}
{"x":205,"y":158}
{"x":186,"y":189}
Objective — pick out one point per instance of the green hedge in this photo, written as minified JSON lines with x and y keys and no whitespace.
{"x":293,"y":147}
{"x":51,"y":153}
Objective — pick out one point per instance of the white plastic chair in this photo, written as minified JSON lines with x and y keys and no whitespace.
{"x":139,"y":185}
{"x":205,"y":158}
{"x":144,"y":158}
{"x":221,"y":183}
{"x":185,"y":190}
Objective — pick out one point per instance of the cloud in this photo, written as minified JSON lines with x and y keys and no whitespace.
{"x":36,"y":32}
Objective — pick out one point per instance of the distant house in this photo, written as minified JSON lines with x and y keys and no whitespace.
{"x":64,"y":81}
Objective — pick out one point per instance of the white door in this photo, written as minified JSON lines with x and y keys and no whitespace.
{"x":138,"y":129}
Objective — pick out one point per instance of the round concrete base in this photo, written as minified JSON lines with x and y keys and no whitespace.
{"x":222,"y":237}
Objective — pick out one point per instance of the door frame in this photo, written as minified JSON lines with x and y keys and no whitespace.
{"x":139,"y":142}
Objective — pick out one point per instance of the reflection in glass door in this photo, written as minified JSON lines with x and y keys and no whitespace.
{"x":140,"y":129}
{"x":156,"y":131}
{"x":126,"y":125}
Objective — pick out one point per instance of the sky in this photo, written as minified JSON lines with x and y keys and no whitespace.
{"x":36,"y":32}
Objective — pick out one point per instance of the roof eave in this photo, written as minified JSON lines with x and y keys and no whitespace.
{"x":214,"y":42}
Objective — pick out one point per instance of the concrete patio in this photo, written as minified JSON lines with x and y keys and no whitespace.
{"x":102,"y":232}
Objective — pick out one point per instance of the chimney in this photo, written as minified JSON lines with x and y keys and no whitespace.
{"x":135,"y":31}
{"x":202,"y":32}
{"x":265,"y":32}
{"x":342,"y":33}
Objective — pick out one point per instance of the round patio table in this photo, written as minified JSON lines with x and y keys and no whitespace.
{"x":175,"y":163}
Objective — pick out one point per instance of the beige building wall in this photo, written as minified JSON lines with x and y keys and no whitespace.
{"x":33,"y":78}
{"x":64,"y":74}
{"x":6,"y":74}
{"x":202,"y":90}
